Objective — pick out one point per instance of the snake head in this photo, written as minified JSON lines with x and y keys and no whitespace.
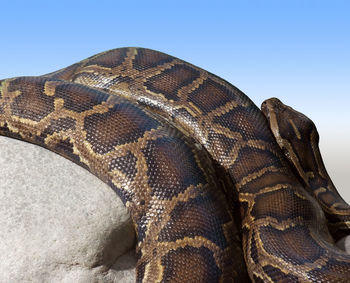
{"x":287,"y":123}
{"x":294,"y":132}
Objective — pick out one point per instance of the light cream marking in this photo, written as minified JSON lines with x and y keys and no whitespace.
{"x":151,"y":269}
{"x":296,"y":131}
{"x":285,"y":266}
{"x":58,"y":105}
{"x":250,"y":177}
{"x":50,"y":87}
{"x":320,"y":190}
{"x":195,"y":109}
{"x":196,"y":242}
{"x":274,"y":125}
{"x":316,"y":152}
{"x":219,"y":111}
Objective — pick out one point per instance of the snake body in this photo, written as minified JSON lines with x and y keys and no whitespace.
{"x":157,"y":171}
{"x":185,"y":233}
{"x":297,"y":135}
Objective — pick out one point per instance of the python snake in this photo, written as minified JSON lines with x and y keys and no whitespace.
{"x":148,"y":149}
{"x":297,"y":136}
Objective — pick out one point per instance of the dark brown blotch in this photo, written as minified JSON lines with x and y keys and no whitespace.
{"x":125,"y":164}
{"x":201,"y":216}
{"x":122,"y":124}
{"x":32,"y":103}
{"x":253,"y":249}
{"x":329,"y":198}
{"x":211,"y":95}
{"x":171,"y":80}
{"x":283,"y":204}
{"x":194,"y":264}
{"x":141,"y":267}
{"x":305,"y":156}
{"x":278,"y":275}
{"x":147,"y":58}
{"x":317,"y":182}
{"x":79,"y":98}
{"x":252,"y":160}
{"x":248,"y":121}
{"x":294,"y":244}
{"x":333,"y":271}
{"x":60,"y":125}
{"x":172,"y":167}
{"x":109,"y":59}
{"x":269,"y":179}
{"x":223,"y":144}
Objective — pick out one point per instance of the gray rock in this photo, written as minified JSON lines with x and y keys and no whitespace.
{"x":344,"y":244}
{"x":59,"y":223}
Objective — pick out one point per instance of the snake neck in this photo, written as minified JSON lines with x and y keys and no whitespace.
{"x":297,"y":136}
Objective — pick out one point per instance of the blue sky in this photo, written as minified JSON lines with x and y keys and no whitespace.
{"x":263,"y":47}
{"x":296,"y":50}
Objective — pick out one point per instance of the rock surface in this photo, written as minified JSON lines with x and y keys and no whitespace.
{"x":59,"y":223}
{"x":344,"y":244}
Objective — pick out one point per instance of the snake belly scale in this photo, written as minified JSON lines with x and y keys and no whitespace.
{"x":283,"y":229}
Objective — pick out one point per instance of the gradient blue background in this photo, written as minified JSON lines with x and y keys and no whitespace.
{"x":296,"y":50}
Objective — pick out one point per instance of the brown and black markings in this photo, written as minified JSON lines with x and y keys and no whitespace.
{"x":230,"y":127}
{"x":297,"y":135}
{"x":166,"y":182}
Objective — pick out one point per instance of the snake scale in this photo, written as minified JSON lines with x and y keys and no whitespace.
{"x":159,"y":131}
{"x":297,"y":136}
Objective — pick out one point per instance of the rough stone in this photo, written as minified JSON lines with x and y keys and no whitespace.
{"x":344,"y":244}
{"x":59,"y":223}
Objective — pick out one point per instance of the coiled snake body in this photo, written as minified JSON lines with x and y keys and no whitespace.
{"x":184,"y":226}
{"x":297,"y":136}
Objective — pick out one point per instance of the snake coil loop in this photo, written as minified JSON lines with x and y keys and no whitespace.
{"x":133,"y":117}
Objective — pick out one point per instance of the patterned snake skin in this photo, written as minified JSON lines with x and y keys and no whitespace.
{"x":297,"y":135}
{"x":184,"y":227}
{"x":184,"y":230}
